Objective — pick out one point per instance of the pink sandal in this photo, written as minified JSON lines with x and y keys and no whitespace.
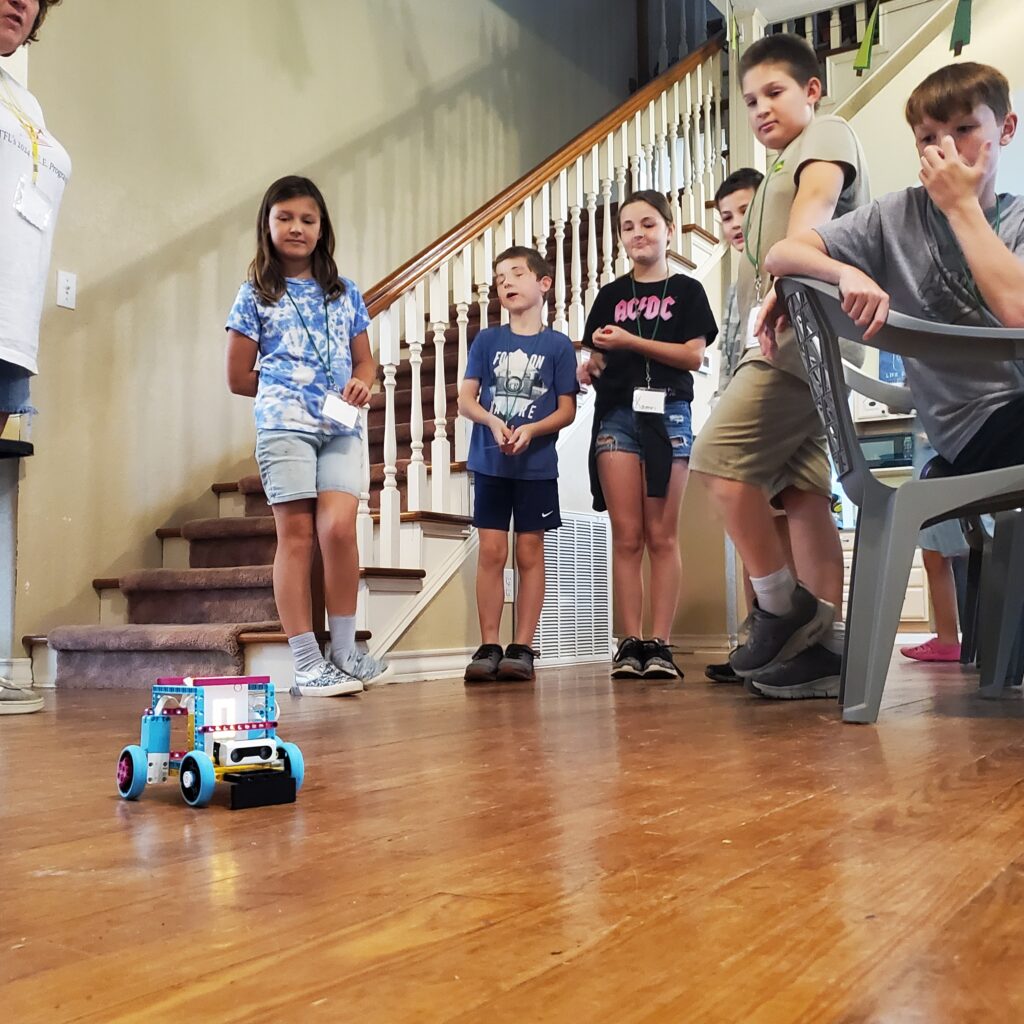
{"x":932,"y":650}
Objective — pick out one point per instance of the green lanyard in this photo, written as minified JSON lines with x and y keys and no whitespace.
{"x":657,"y":324}
{"x":755,"y":259}
{"x":971,"y":285}
{"x":326,"y":363}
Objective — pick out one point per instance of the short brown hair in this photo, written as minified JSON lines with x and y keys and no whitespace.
{"x":44,"y":9}
{"x":957,"y":89}
{"x":791,"y":52}
{"x":537,"y":264}
{"x":652,"y":198}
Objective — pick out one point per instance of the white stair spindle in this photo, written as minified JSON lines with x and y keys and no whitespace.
{"x":505,"y":234}
{"x":710,"y":146}
{"x":592,"y":166}
{"x":560,"y":213}
{"x":607,"y":237}
{"x":483,"y":268}
{"x":622,"y":189}
{"x":699,"y":186}
{"x":638,"y":173}
{"x":576,"y":316}
{"x":390,"y":499}
{"x":689,"y":159}
{"x":440,"y":447}
{"x":417,"y":471}
{"x":541,"y":232}
{"x":675,"y":167}
{"x":524,"y":222}
{"x":719,"y":136}
{"x":860,"y":26}
{"x":661,"y":159}
{"x":835,"y":30}
{"x":649,"y":145}
{"x":462,"y":292}
{"x":364,"y":522}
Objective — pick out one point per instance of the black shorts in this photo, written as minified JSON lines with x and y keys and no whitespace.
{"x":533,"y":504}
{"x":999,"y":443}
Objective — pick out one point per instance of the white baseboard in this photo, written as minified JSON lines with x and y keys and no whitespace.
{"x":415,"y":666}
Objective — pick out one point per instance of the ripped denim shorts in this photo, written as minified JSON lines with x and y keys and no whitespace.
{"x":620,"y":430}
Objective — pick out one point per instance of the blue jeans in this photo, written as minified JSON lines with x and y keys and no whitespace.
{"x":14,"y":389}
{"x":295,"y":465}
{"x":620,"y":430}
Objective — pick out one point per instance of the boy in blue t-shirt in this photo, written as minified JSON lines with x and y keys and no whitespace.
{"x":519,"y":390}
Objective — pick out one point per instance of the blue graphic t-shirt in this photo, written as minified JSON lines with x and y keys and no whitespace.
{"x":521,"y":378}
{"x":294,"y":358}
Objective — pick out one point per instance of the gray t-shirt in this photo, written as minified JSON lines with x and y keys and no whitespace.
{"x":905,"y":244}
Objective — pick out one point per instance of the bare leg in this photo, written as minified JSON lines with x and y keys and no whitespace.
{"x":817,"y":553}
{"x":661,"y":530}
{"x":293,"y":563}
{"x":530,"y":596}
{"x":336,"y":531}
{"x":490,"y":583}
{"x":623,"y":485}
{"x":942,"y":588}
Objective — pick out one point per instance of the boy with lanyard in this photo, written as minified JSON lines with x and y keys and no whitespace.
{"x":519,"y":390}
{"x":764,"y":438}
{"x":950,"y":250}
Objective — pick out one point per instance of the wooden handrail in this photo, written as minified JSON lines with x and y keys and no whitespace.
{"x":387,"y":290}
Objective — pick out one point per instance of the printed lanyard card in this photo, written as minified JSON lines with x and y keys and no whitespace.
{"x":338,"y":410}
{"x":752,"y":340}
{"x":648,"y":400}
{"x":32,"y":204}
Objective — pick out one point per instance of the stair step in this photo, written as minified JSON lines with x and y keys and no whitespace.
{"x":225,"y":542}
{"x":193,"y":596}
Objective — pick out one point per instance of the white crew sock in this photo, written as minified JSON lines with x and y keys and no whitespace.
{"x":774,"y":592}
{"x":343,"y":638}
{"x":306,"y":651}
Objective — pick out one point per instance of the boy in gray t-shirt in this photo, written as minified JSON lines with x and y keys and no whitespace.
{"x":952,"y":251}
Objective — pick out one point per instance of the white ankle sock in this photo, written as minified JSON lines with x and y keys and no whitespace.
{"x":834,"y":639}
{"x":343,"y":637}
{"x":774,"y":592}
{"x":306,"y":651}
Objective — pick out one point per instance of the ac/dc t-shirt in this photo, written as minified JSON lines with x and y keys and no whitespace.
{"x":675,"y":310}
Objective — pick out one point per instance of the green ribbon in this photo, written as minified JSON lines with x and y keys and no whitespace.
{"x":862,"y":62}
{"x":961,"y":27}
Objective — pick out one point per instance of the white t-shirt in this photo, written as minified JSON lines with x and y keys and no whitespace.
{"x":24,"y":248}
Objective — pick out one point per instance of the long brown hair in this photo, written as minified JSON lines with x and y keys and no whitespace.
{"x":652,"y":198}
{"x":265,"y":273}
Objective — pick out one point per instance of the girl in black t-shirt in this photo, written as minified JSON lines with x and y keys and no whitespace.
{"x":648,"y":331}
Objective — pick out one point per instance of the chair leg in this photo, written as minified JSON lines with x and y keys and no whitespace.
{"x":1002,"y":602}
{"x":969,"y":618}
{"x":887,"y":529}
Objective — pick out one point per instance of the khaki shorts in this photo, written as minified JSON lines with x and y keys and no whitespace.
{"x":765,"y":431}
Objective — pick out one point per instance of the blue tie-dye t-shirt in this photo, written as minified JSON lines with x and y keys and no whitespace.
{"x":293,"y":376}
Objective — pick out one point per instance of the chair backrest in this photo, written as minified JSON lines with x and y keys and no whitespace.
{"x":816,"y":313}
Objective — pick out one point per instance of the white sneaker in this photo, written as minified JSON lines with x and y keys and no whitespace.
{"x":16,"y":701}
{"x":330,"y":681}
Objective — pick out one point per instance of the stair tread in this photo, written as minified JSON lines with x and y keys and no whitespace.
{"x":169,"y":637}
{"x":280,"y":637}
{"x":229,"y":578}
{"x":221,"y":528}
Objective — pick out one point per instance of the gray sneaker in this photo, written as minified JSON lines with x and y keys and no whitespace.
{"x":16,"y":701}
{"x":814,"y":672}
{"x":483,"y":667}
{"x":517,"y":665}
{"x":365,"y":668}
{"x":658,"y":662}
{"x":772,"y":639}
{"x":330,"y":681}
{"x":628,"y":662}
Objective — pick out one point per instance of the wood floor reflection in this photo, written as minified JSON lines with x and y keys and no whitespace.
{"x":570,"y":851}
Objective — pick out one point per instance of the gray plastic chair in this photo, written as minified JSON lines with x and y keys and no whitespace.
{"x":890,"y":517}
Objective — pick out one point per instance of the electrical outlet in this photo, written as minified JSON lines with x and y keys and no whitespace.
{"x":510,"y":585}
{"x":67,"y":289}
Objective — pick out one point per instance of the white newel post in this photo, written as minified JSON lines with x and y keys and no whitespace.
{"x":416,"y":475}
{"x":440,"y":447}
{"x":390,"y":499}
{"x":462,"y":292}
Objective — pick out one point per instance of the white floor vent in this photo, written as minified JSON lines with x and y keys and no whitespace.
{"x":576,"y":621}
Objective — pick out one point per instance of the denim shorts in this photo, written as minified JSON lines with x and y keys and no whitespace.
{"x":295,"y":465}
{"x":14,"y":389}
{"x":620,"y":430}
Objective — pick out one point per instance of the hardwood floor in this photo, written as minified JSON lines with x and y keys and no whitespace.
{"x":568,"y":851}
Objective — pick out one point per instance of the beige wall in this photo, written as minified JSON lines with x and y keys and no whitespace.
{"x":998,"y":39}
{"x":177,"y":116}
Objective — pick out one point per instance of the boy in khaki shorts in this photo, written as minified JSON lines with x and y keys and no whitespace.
{"x":764,"y":439}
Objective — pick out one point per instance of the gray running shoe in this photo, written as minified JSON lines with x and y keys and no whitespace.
{"x":658,"y":662}
{"x":628,"y":661}
{"x":772,"y":639}
{"x":517,"y":663}
{"x":484,"y":666}
{"x":814,"y":672}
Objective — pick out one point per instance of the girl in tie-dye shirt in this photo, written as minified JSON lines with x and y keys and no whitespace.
{"x":297,"y":343}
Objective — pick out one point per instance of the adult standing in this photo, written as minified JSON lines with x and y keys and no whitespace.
{"x":34,"y":169}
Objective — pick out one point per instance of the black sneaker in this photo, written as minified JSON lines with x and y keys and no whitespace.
{"x":772,"y":639}
{"x":814,"y":672}
{"x":628,"y":662}
{"x":484,"y":666}
{"x":658,"y":663}
{"x":722,"y":674}
{"x":517,"y":663}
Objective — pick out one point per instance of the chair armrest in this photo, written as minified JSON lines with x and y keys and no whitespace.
{"x":894,"y":397}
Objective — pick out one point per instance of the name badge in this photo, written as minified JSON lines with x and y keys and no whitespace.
{"x":752,"y":339}
{"x":339,"y":411}
{"x":32,"y":204}
{"x":648,"y":400}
